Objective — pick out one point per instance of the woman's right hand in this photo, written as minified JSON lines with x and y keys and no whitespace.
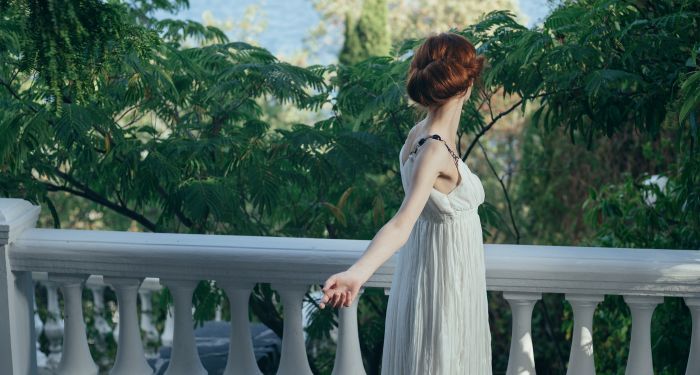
{"x":341,"y":288}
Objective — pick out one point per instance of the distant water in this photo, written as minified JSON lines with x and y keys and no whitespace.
{"x":288,"y":21}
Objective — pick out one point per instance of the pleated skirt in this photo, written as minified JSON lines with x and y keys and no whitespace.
{"x":437,"y":316}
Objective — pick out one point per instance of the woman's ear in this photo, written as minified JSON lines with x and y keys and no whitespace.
{"x":464,"y":97}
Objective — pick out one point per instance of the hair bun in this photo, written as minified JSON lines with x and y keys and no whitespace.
{"x":443,"y":66}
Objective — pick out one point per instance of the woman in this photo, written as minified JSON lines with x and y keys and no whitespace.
{"x":437,"y":316}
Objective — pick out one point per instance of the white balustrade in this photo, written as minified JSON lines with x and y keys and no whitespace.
{"x":241,"y":357}
{"x":293,"y":360}
{"x":41,"y":359}
{"x":217,"y":313}
{"x":217,"y":309}
{"x":639,"y":359}
{"x":290,"y":265}
{"x":148,"y":286}
{"x":348,"y":356}
{"x":521,"y":358}
{"x":581,"y":361}
{"x":115,"y":320}
{"x":53,"y":328}
{"x":694,"y":355}
{"x":76,"y":358}
{"x":166,"y":338}
{"x":130,"y":359}
{"x":97,"y":287}
{"x":184,"y":359}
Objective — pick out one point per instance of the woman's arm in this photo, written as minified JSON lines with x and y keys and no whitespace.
{"x":341,"y":288}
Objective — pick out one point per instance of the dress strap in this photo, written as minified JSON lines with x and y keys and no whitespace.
{"x":436,"y":136}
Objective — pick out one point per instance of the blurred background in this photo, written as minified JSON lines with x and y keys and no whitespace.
{"x":311,"y":32}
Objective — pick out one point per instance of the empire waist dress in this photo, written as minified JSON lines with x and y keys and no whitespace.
{"x":437,"y":316}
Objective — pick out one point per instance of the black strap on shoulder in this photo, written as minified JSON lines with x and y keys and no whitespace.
{"x":436,"y":136}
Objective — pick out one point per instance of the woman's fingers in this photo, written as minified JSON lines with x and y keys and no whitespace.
{"x":329,"y":283}
{"x":328,"y":291}
{"x":337,"y":298}
{"x":341,"y":299}
{"x":326,"y":298}
{"x":334,"y":299}
{"x":335,"y":294}
{"x":329,"y":297}
{"x":349,"y":298}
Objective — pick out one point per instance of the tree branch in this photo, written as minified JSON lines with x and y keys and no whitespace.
{"x":180,"y":215}
{"x":505,"y":193}
{"x":9,"y":88}
{"x":498,"y":117}
{"x":92,"y":195}
{"x":489,"y":126}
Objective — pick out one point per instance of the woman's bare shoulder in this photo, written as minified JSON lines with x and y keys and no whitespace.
{"x":411,"y":137}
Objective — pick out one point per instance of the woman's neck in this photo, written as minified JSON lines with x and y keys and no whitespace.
{"x":444,"y":120}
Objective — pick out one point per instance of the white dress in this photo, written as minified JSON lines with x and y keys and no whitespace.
{"x":437,"y":316}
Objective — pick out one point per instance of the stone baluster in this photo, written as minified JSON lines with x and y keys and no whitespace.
{"x":151,"y":333}
{"x":294,"y":360}
{"x":184,"y":359}
{"x":97,"y":287}
{"x":217,"y":313}
{"x":115,"y":320}
{"x":41,"y":359}
{"x":581,"y":361}
{"x":130,"y":356}
{"x":348,"y":356}
{"x":218,"y":310}
{"x":166,"y":338}
{"x":521,"y":359}
{"x":241,"y":357}
{"x":639,"y":360}
{"x":53,"y":328}
{"x":76,"y":358}
{"x":694,"y":355}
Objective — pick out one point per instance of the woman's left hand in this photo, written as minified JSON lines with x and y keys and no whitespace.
{"x":341,"y":289}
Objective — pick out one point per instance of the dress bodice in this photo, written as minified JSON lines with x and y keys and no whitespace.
{"x":463,"y":199}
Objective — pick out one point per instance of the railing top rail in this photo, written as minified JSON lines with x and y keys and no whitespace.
{"x":558,"y":269}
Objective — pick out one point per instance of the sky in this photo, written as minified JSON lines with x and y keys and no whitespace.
{"x":288,"y":21}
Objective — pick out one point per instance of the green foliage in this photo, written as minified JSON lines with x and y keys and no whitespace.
{"x":598,"y":66}
{"x":367,"y":36}
{"x":628,"y":74}
{"x":690,"y":94}
{"x":635,"y":214}
{"x":71,"y":41}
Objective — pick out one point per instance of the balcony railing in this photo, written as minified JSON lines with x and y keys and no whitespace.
{"x":291,"y":266}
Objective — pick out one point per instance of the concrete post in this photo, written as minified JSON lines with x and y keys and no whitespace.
{"x":17,"y":337}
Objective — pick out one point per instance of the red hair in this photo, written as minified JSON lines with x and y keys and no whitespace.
{"x":443,"y":66}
